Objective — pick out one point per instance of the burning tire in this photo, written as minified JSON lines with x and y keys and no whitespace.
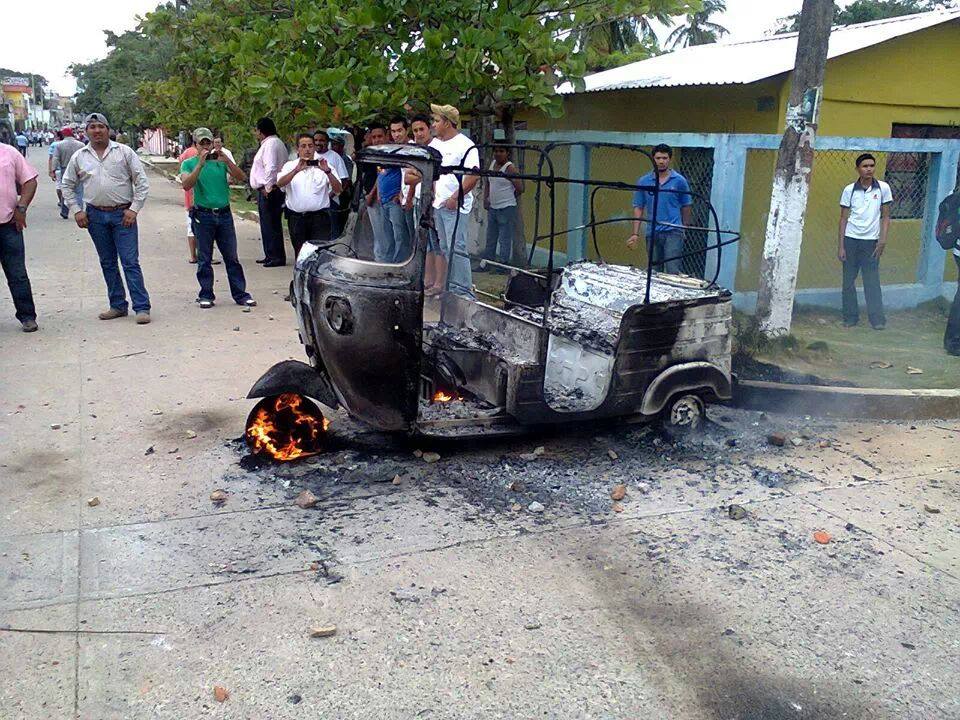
{"x":286,"y":427}
{"x":684,"y":412}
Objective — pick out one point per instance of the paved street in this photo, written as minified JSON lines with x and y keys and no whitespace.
{"x":451,"y":597}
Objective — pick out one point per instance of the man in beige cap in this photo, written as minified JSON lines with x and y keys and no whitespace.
{"x":453,"y":198}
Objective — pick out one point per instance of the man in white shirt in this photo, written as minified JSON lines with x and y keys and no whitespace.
{"x":219,"y":148}
{"x":864,"y":223}
{"x":309,"y":184}
{"x":453,"y":200}
{"x":270,"y":157}
{"x":321,"y":139}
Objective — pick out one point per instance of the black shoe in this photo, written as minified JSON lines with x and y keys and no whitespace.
{"x":261,"y":261}
{"x":275,"y":263}
{"x":29,"y":326}
{"x":953,"y":351}
{"x":880,"y":326}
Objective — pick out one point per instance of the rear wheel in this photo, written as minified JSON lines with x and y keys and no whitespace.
{"x":684,"y":412}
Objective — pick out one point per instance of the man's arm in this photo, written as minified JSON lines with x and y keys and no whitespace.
{"x":68,"y":184}
{"x":27,"y":190}
{"x":189,"y":179}
{"x":272,"y":165}
{"x":638,"y":213}
{"x":884,"y":229}
{"x":141,"y":185}
{"x":517,"y":182}
{"x":841,"y":250}
{"x":236,"y":172}
{"x":289,"y":176}
{"x":686,"y":215}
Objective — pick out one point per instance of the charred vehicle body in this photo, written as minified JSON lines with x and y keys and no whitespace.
{"x":580,"y":342}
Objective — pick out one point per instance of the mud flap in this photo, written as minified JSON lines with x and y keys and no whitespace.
{"x":297,"y":377}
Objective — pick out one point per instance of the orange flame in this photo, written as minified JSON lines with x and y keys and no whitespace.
{"x":443,"y":397}
{"x":298,"y":441}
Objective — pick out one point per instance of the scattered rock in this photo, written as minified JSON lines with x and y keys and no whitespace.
{"x":56,"y":426}
{"x":909,"y":646}
{"x":246,"y":309}
{"x":797,"y":442}
{"x":236,"y":328}
{"x":539,"y":450}
{"x":402,"y":595}
{"x":149,"y":451}
{"x":823,"y":444}
{"x":418,"y":453}
{"x":536,"y":507}
{"x":528,"y":456}
{"x":323,"y":631}
{"x":613,"y":454}
{"x":619,"y":492}
{"x":617,"y":507}
{"x":914,"y":371}
{"x":880,"y":365}
{"x":314,"y":565}
{"x":931,"y":509}
{"x":94,"y":501}
{"x":220,"y":693}
{"x":396,"y":480}
{"x":516,"y":507}
{"x":737,"y":512}
{"x":777,"y":439}
{"x":156,"y":411}
{"x":305,"y":500}
{"x":517,"y":486}
{"x":292,"y":699}
{"x":219,"y":497}
{"x":822,"y":537}
{"x":431,"y":457}
{"x":190,"y":434}
{"x":532,"y":625}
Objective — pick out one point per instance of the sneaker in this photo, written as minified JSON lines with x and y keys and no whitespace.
{"x":112,"y":314}
{"x":143,"y":317}
{"x":29,"y":326}
{"x":880,"y":326}
{"x":249,"y":302}
{"x":64,"y":212}
{"x":205,"y":304}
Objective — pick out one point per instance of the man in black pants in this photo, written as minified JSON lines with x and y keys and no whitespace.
{"x":308,"y":183}
{"x":270,"y":157}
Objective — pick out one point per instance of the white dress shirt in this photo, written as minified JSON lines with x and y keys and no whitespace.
{"x":310,"y":189}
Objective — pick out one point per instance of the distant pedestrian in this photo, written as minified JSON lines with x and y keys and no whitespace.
{"x":665,"y":242}
{"x":115,"y":189}
{"x":18,"y":185}
{"x":453,"y":198}
{"x":270,"y":157}
{"x":500,"y":200}
{"x":864,"y":223}
{"x":309,"y":184}
{"x":219,"y":148}
{"x":66,"y":148}
{"x":189,"y":152}
{"x":22,"y":142}
{"x":207,"y":175}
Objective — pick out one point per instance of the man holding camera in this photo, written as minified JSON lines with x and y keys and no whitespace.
{"x":207,"y":175}
{"x":309,"y":183}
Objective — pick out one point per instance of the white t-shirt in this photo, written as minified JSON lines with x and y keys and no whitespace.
{"x":864,"y":220}
{"x":502,"y":192}
{"x":229,"y":155}
{"x":453,"y":151}
{"x":309,"y":190}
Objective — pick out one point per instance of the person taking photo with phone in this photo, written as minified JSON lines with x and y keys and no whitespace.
{"x":309,"y":184}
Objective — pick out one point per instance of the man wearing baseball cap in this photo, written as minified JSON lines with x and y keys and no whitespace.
{"x":207,"y":175}
{"x":114,"y":189}
{"x":453,"y":198}
{"x":59,"y":157}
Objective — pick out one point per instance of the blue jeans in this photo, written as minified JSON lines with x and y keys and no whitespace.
{"x":217,"y":227}
{"x":15,"y":268}
{"x":459,"y":275}
{"x":501,"y":224}
{"x":112,"y":239}
{"x":667,"y":245}
{"x":394,"y":246}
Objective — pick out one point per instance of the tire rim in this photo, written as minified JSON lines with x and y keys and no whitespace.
{"x":686,"y":411}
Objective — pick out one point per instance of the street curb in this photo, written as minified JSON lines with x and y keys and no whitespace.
{"x":847,"y":402}
{"x":174,"y":178}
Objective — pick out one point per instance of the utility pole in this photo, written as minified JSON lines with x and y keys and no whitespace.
{"x":791,"y":180}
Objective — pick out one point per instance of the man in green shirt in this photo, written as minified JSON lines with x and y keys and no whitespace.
{"x":207,"y":175}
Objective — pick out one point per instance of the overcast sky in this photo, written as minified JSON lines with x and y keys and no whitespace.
{"x":68,"y":32}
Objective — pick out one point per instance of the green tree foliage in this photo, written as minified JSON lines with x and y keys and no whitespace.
{"x":629,"y":39}
{"x":861,"y":11}
{"x":115,"y":85}
{"x":698,"y":28}
{"x":323,"y":61}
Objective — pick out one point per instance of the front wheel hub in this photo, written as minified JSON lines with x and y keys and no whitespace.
{"x":686,"y":412}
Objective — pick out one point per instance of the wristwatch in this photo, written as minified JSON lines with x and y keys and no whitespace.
{"x":22,"y":208}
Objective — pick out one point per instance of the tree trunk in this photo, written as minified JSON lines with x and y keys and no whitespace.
{"x":791,"y":182}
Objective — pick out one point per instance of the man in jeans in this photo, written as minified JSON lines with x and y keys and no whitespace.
{"x":115,"y":189}
{"x":500,"y":200}
{"x":864,"y":222}
{"x":59,"y":157}
{"x":16,"y":172}
{"x":206,"y":174}
{"x":453,"y":199}
{"x":674,"y":212}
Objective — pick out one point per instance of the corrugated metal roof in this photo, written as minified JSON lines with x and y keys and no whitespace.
{"x":752,"y":60}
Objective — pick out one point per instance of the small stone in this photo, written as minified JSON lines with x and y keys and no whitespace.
{"x":219,"y":497}
{"x":539,"y":450}
{"x":643,"y":488}
{"x":619,"y":492}
{"x":220,"y":693}
{"x":190,"y":434}
{"x":93,"y":502}
{"x":613,"y":454}
{"x":56,"y":426}
{"x":931,"y":509}
{"x":324,"y":631}
{"x":532,"y":625}
{"x":305,"y":500}
{"x":314,"y":565}
{"x":536,"y":507}
{"x":431,"y":457}
{"x":402,"y":595}
{"x":797,"y":442}
{"x":396,"y":480}
{"x":823,"y":444}
{"x":236,"y":328}
{"x":777,"y":439}
{"x":737,"y":512}
{"x":822,"y":538}
{"x":418,"y":453}
{"x":617,"y":507}
{"x":149,"y":451}
{"x":528,"y":456}
{"x":156,"y":411}
{"x":269,"y":317}
{"x":517,"y":486}
{"x":516,"y":507}
{"x":246,"y":309}
{"x":293,"y":699}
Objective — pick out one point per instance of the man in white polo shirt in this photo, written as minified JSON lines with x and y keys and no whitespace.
{"x":309,"y":184}
{"x":864,"y":222}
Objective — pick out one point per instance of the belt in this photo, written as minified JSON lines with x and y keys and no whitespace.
{"x":321,"y":211}
{"x":110,"y":208}
{"x":215,"y":211}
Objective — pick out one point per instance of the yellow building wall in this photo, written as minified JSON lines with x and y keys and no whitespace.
{"x":912,"y":80}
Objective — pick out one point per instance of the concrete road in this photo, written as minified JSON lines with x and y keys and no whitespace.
{"x":451,"y":597}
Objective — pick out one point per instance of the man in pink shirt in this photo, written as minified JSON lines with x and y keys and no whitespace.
{"x":263,"y":178}
{"x":188,"y":203}
{"x":14,"y":172}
